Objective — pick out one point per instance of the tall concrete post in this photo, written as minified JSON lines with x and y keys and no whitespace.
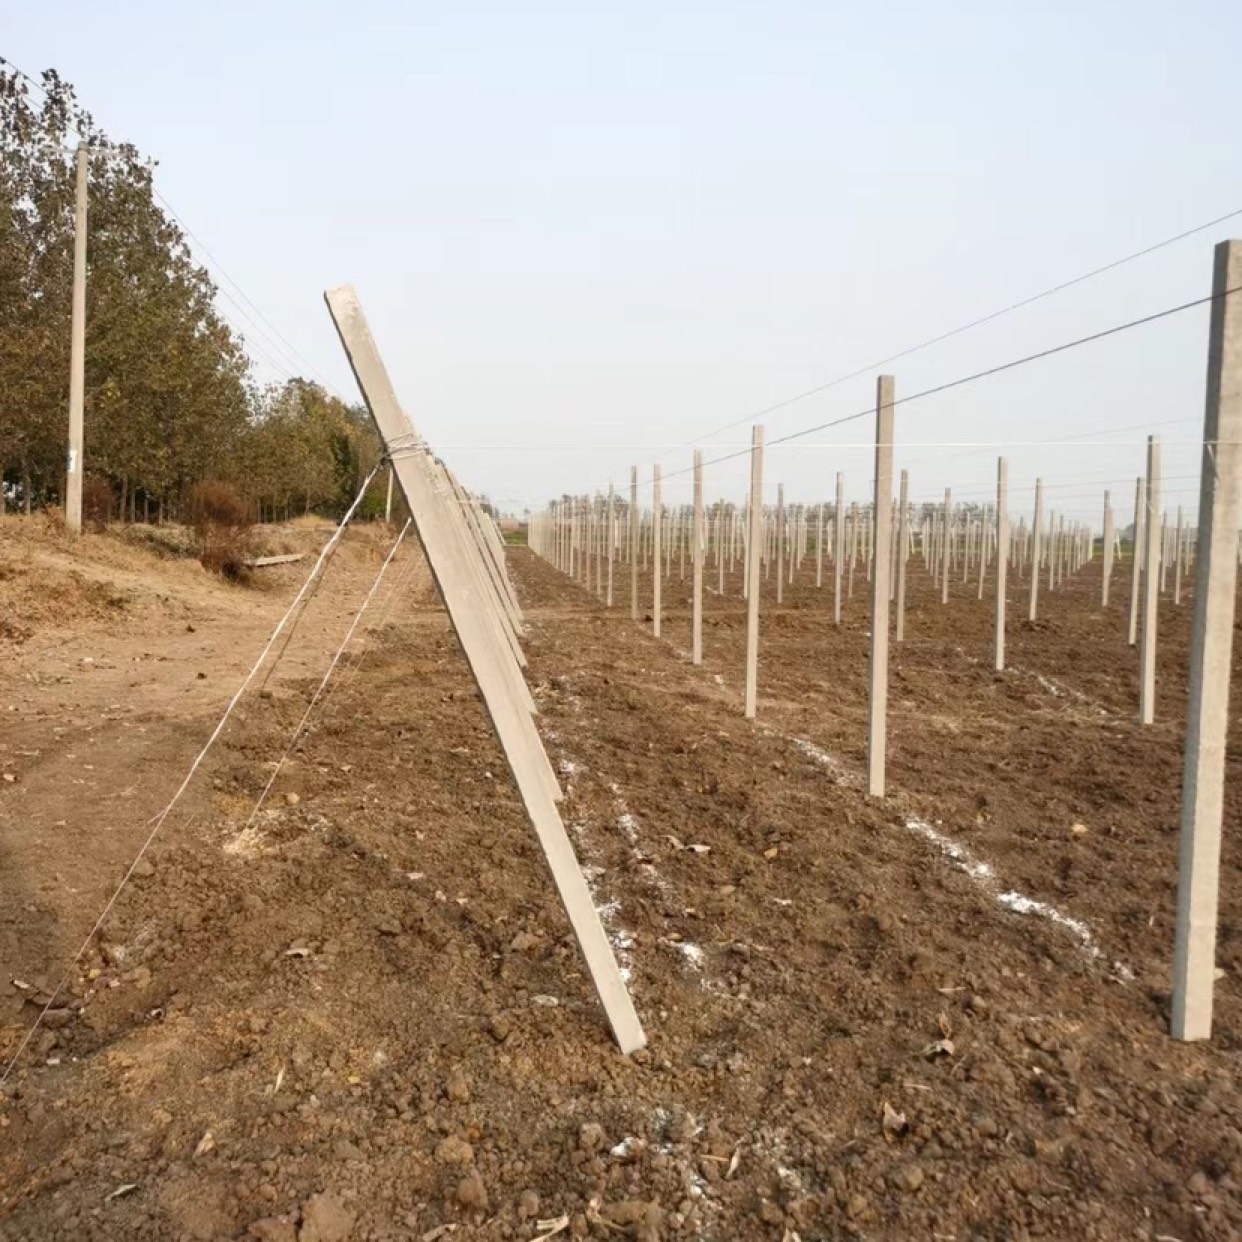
{"x":1002,"y":559}
{"x":780,"y":543}
{"x":657,"y":557}
{"x":610,"y":537}
{"x":77,"y":355}
{"x":1136,"y":558}
{"x":1108,"y":549}
{"x":947,"y":550}
{"x":819,"y":549}
{"x":634,"y":537}
{"x":1151,"y":586}
{"x":1177,"y":558}
{"x":877,"y":726}
{"x":1211,"y":653}
{"x":1037,"y":534}
{"x":838,"y":558}
{"x":696,"y":618}
{"x":903,"y":553}
{"x":754,"y":549}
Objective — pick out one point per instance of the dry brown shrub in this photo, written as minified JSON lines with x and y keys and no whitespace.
{"x":96,"y":502}
{"x":223,"y":534}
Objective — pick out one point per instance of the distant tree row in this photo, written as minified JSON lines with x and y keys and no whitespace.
{"x":169,"y":399}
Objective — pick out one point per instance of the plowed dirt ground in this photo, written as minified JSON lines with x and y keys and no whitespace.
{"x":363,"y":1014}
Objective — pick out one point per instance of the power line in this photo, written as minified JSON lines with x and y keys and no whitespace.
{"x":974,"y":323}
{"x":987,"y":372}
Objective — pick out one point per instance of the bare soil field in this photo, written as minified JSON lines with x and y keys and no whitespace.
{"x":363,"y":1015}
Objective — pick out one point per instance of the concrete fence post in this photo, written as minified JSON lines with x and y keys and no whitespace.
{"x":1211,"y":653}
{"x":635,"y":536}
{"x":1151,"y":586}
{"x":903,"y":553}
{"x":1136,"y":562}
{"x":1037,"y":534}
{"x":877,"y":727}
{"x":1108,"y":549}
{"x":754,"y":550}
{"x":1002,"y":559}
{"x":657,"y":549}
{"x":696,"y":620}
{"x":838,"y":558}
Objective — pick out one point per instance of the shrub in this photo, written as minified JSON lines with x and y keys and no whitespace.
{"x":96,"y":502}
{"x":222,"y":524}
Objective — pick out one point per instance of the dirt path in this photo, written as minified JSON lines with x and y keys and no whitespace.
{"x":373,"y":1005}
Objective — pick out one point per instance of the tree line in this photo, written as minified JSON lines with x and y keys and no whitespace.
{"x":170,"y":400}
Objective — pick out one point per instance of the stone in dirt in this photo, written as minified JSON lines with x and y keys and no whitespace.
{"x":591,"y":1137}
{"x":472,"y":1194}
{"x":528,"y":1205}
{"x":325,"y":1219}
{"x":457,"y":1088}
{"x":274,"y":1229}
{"x":454,"y":1150}
{"x":907,"y":1177}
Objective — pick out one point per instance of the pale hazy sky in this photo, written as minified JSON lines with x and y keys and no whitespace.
{"x":588,"y":237}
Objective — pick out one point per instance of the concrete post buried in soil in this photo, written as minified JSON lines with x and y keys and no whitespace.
{"x":1211,"y":652}
{"x":754,"y":550}
{"x":877,"y":726}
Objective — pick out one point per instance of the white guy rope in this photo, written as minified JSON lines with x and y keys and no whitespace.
{"x":189,"y":776}
{"x":301,"y":725}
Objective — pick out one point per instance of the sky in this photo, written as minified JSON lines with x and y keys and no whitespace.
{"x":591,"y":237}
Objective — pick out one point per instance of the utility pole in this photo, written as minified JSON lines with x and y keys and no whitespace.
{"x":77,"y":356}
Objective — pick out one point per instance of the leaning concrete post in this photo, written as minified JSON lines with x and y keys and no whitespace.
{"x":754,"y":549}
{"x":877,"y":727}
{"x":1211,"y":652}
{"x":1002,"y":559}
{"x":1136,"y":554}
{"x":838,"y":557}
{"x":1037,"y":534}
{"x":1108,"y":548}
{"x":903,"y":553}
{"x":1151,"y":587}
{"x":449,"y":564}
{"x":696,"y":620}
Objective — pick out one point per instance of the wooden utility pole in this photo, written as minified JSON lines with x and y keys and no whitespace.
{"x":77,"y":355}
{"x":1211,"y":653}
